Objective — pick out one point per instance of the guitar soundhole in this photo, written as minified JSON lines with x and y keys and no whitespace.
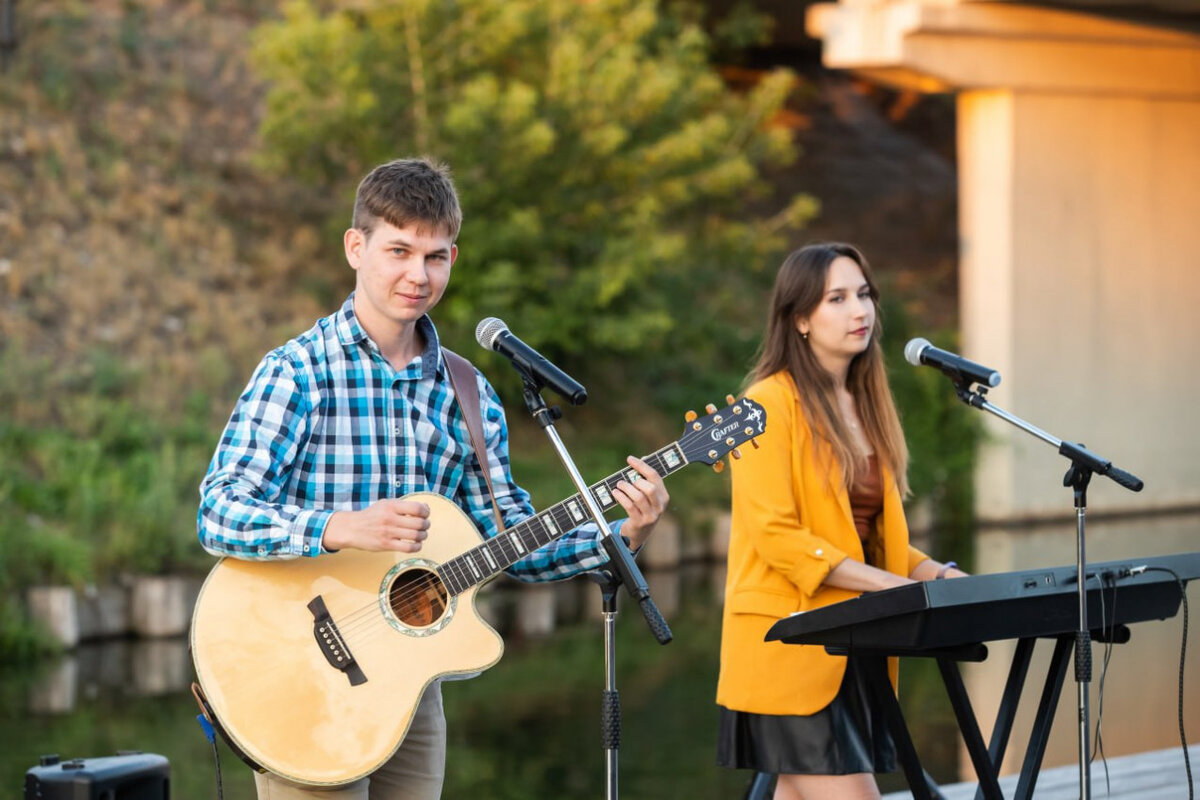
{"x":418,"y":598}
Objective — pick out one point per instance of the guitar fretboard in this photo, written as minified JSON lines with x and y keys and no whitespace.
{"x":511,"y":545}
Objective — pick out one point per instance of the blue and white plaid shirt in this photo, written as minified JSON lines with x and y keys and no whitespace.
{"x":326,"y":424}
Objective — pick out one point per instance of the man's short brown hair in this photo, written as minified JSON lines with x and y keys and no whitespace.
{"x":408,"y":192}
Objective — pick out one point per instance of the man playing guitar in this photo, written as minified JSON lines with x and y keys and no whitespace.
{"x":335,"y":433}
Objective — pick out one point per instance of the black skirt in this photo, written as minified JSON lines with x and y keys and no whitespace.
{"x":846,"y":737}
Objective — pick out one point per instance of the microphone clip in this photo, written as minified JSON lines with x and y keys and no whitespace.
{"x":545,"y":415}
{"x":976,"y":398}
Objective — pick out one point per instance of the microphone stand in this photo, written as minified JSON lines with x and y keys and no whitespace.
{"x":1084,"y":464}
{"x":621,"y":569}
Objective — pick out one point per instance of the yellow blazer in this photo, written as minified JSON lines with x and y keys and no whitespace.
{"x":791,"y":526}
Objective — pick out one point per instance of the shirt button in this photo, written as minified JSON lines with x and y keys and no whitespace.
{"x":397,"y":483}
{"x":820,"y":552}
{"x":396,"y":430}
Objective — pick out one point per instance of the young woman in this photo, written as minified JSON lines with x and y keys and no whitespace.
{"x":817,"y":518}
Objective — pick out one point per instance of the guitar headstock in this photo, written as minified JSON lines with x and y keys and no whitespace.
{"x":710,"y":438}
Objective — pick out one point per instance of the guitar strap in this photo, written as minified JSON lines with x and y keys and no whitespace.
{"x":463,"y":384}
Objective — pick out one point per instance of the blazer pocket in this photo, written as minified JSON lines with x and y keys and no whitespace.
{"x":767,"y":603}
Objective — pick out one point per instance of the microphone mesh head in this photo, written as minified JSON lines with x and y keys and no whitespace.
{"x":912,"y":350}
{"x":487,"y":330}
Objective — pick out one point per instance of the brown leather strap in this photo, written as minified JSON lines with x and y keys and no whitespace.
{"x":466,"y":391}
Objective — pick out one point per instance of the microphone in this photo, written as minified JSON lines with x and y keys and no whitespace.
{"x":920,"y":351}
{"x":493,"y":334}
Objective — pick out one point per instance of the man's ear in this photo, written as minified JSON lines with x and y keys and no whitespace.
{"x":354,"y":241}
{"x":453,"y":254}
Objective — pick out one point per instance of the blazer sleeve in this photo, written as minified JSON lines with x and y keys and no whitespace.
{"x":768,"y":499}
{"x":915,"y":557}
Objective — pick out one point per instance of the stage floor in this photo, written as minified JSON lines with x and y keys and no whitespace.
{"x":1156,"y":775}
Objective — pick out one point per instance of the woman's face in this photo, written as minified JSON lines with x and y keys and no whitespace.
{"x":840,"y":326}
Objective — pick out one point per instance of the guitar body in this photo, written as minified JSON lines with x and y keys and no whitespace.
{"x":270,"y":668}
{"x":313,"y":667}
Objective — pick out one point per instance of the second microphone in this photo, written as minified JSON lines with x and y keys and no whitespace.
{"x":493,"y":334}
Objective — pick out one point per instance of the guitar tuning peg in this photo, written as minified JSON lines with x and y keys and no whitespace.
{"x":736,"y":453}
{"x":710,"y":408}
{"x":729,"y":399}
{"x":755,"y":443}
{"x":690,"y":416}
{"x":719,"y":466}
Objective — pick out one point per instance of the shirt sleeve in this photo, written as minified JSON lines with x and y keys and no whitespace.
{"x":577,"y":551}
{"x":240,"y":514}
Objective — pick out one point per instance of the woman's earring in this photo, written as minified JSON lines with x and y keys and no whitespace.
{"x":805,"y":335}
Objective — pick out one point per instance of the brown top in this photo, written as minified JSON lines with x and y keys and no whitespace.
{"x":866,"y":502}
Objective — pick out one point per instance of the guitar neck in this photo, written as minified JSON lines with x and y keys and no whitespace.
{"x":511,"y":545}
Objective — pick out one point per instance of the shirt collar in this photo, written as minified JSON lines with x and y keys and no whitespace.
{"x":350,"y":333}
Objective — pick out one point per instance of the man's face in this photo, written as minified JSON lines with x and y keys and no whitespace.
{"x":402,"y":273}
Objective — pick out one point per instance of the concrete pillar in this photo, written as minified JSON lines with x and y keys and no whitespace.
{"x":1078,"y":282}
{"x":535,"y":610}
{"x":55,"y":609}
{"x":718,"y":545}
{"x":103,"y":611}
{"x":664,"y":547}
{"x":162,"y":605}
{"x":1079,"y":183}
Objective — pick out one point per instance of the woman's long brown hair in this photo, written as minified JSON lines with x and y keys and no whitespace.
{"x":799,"y":289}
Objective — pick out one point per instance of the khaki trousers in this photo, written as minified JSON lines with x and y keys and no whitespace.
{"x":415,"y":772}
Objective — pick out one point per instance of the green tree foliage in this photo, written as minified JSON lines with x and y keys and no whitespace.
{"x":608,"y":175}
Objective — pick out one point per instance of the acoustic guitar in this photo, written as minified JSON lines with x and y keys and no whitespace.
{"x":312,"y":668}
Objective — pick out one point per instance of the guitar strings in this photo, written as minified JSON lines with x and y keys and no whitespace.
{"x":363,"y":624}
{"x":352,"y":620}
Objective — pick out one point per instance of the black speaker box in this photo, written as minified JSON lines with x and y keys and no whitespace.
{"x":127,"y":776}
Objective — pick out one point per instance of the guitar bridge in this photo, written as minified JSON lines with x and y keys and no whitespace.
{"x":333,"y":647}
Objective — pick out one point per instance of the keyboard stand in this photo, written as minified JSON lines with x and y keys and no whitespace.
{"x":986,"y":760}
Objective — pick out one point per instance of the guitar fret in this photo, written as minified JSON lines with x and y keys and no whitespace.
{"x":516,"y":542}
{"x":565,"y":522}
{"x":460,"y":575}
{"x":610,"y":485}
{"x":474,"y":569}
{"x":604,"y":496}
{"x":574,"y":507}
{"x":503,"y":547}
{"x":508,"y":553}
{"x":671,"y":459}
{"x":530,"y":532}
{"x":550,"y":525}
{"x":487,"y":554}
{"x":449,"y":580}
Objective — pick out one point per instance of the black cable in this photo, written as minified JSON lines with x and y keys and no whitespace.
{"x":210,"y":733}
{"x":1187,"y":762}
{"x":1108,"y":629}
{"x":217,"y":764}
